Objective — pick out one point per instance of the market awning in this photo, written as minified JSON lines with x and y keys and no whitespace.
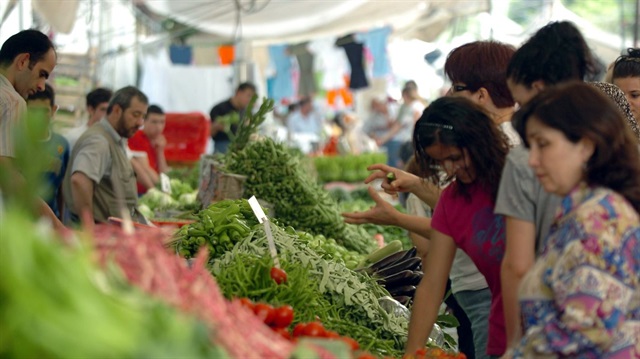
{"x":296,"y":20}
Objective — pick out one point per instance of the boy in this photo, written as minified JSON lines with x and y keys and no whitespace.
{"x":57,"y":149}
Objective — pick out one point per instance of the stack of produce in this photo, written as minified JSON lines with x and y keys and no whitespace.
{"x":345,"y":301}
{"x":181,"y":198}
{"x":275,"y":175}
{"x":347,"y":168}
{"x":397,"y":270}
{"x":191,"y":288}
{"x":56,"y":303}
{"x":356,"y":202}
{"x":219,"y":227}
{"x":225,"y":223}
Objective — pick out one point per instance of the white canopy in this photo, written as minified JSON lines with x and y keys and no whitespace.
{"x":297,"y":20}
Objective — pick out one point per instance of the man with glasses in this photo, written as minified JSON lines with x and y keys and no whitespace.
{"x":100,"y":180}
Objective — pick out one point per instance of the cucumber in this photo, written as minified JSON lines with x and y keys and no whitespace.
{"x":378,"y":254}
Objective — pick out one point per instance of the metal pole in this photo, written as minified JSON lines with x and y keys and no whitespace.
{"x":636,"y":26}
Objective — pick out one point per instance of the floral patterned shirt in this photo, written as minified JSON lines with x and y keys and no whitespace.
{"x":582,"y":297}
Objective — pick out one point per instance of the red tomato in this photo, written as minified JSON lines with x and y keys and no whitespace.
{"x":353,"y":344}
{"x":314,"y":329}
{"x":331,"y":334}
{"x":265,"y":312}
{"x":298,"y":330}
{"x":284,"y":333}
{"x":283,"y":316}
{"x":421,"y":351}
{"x":247,"y":303}
{"x":278,"y":275}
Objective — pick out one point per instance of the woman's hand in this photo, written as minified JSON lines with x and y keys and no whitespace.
{"x":382,"y":213}
{"x":404,"y":181}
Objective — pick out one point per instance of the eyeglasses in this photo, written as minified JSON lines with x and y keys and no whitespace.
{"x":459,"y":88}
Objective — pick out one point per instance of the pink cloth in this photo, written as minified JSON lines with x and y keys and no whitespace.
{"x":479,"y":233}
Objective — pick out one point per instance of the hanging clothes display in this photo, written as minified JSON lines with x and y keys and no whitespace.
{"x":376,"y":41}
{"x":306,"y":84}
{"x":180,"y":55}
{"x":355,"y":54}
{"x":281,"y":64}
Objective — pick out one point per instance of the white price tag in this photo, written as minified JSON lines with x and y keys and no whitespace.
{"x":165,"y":183}
{"x":262,"y":218}
{"x":257,"y":210}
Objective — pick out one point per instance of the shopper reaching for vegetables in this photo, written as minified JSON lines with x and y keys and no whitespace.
{"x":396,"y":180}
{"x":456,"y":138}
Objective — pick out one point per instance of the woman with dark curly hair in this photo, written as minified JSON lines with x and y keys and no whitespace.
{"x":626,"y":75}
{"x":456,"y":139}
{"x":581,"y":299}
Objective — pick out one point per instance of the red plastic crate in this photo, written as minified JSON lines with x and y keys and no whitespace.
{"x":187,"y":135}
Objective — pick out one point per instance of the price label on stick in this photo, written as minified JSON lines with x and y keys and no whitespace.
{"x":262,"y":218}
{"x":165,"y":183}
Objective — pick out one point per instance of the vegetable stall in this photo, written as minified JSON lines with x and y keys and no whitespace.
{"x":206,"y":283}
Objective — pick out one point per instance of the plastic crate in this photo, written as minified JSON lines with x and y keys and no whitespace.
{"x":187,"y":135}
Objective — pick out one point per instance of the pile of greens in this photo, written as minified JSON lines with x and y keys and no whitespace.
{"x":276,"y":176}
{"x":343,"y":300}
{"x":346,"y":168}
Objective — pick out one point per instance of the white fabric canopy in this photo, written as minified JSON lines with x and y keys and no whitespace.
{"x":297,"y":20}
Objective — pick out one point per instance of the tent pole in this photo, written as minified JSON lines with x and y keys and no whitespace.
{"x":636,"y":26}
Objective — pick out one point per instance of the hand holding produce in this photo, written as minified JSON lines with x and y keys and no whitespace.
{"x":394,"y":180}
{"x":382,"y":213}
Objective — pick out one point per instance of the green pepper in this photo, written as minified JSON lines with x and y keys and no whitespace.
{"x":238,"y":226}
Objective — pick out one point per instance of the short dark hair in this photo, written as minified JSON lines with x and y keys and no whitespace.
{"x":47,"y":94}
{"x":32,"y":42}
{"x":246,"y":86}
{"x":456,"y":121}
{"x":124,"y":96}
{"x":98,"y":96}
{"x":155,"y":109}
{"x":482,"y":64}
{"x":579,"y":110}
{"x":556,"y":53}
{"x":627,"y":65}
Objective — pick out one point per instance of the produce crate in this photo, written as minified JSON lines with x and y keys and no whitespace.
{"x":187,"y":135}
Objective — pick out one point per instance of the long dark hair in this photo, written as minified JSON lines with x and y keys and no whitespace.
{"x":579,"y":111}
{"x":556,"y":53}
{"x":456,"y":121}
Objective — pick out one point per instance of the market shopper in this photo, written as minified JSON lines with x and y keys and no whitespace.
{"x":557,"y":53}
{"x":100,"y":180}
{"x":43,"y":105}
{"x":456,"y":137}
{"x":402,"y":128}
{"x":26,"y":61}
{"x":97,"y":102}
{"x":580,"y":299}
{"x":477,"y":71}
{"x":152,"y":142}
{"x":236,"y":104}
{"x":626,"y":75}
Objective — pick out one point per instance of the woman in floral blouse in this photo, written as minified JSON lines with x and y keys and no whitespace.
{"x":582,"y":297}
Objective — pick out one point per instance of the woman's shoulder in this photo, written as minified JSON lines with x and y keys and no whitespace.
{"x":607,"y":210}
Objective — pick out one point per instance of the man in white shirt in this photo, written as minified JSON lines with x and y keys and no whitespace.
{"x":26,"y":61}
{"x":305,"y":125}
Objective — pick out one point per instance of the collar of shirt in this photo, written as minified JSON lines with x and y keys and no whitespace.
{"x":112,"y":131}
{"x":4,"y":82}
{"x":577,"y":196}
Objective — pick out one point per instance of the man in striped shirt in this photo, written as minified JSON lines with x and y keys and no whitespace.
{"x":26,"y":61}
